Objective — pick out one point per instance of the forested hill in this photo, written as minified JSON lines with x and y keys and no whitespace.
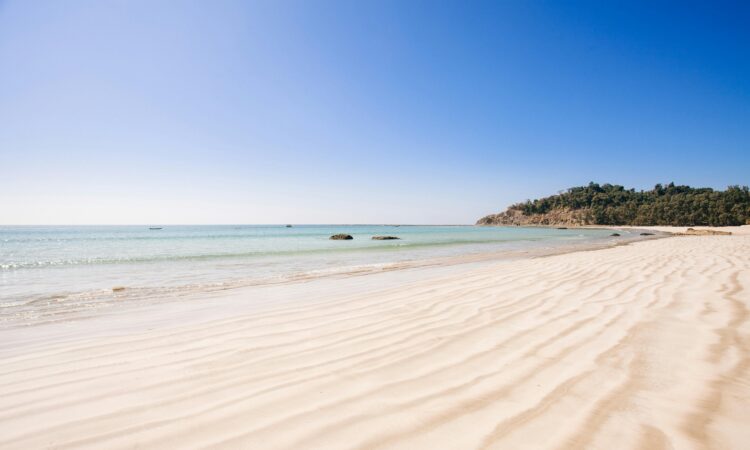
{"x":610,"y":204}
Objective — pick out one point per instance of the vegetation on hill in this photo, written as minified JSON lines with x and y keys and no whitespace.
{"x":610,"y":204}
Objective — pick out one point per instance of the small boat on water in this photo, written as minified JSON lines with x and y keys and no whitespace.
{"x":154,"y":228}
{"x":289,"y":226}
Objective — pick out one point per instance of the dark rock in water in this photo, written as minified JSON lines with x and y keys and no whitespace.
{"x":615,"y":234}
{"x":341,"y":237}
{"x":562,"y":228}
{"x":647,"y":234}
{"x":289,"y":226}
{"x":384,"y":238}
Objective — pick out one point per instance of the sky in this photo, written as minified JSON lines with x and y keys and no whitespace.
{"x":164,"y":112}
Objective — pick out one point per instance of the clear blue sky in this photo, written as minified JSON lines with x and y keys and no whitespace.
{"x":360,"y":112}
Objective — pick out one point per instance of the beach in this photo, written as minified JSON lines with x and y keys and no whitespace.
{"x":644,"y":345}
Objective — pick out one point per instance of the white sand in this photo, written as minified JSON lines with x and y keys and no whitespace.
{"x":639,"y":346}
{"x":737,"y":231}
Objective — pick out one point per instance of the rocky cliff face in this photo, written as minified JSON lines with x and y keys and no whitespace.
{"x":558,"y":217}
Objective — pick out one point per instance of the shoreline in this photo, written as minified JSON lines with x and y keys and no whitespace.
{"x":119,"y":300}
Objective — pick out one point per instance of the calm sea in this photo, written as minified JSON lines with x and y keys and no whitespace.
{"x":51,"y":270}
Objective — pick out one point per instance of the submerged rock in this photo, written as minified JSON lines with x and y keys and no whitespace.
{"x":615,"y":234}
{"x":384,"y":238}
{"x":341,"y":237}
{"x":647,"y":234}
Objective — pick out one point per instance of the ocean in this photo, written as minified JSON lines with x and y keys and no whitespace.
{"x":48,"y":273}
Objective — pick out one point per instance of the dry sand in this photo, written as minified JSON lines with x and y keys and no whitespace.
{"x":639,"y":346}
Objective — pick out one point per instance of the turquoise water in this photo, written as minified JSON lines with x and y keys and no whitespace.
{"x":51,"y":268}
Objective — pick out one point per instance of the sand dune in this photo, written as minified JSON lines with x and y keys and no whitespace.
{"x":639,"y":346}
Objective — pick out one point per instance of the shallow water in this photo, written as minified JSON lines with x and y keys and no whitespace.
{"x":46,"y":270}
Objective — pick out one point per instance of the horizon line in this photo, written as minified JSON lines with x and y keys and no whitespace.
{"x":281,"y":224}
